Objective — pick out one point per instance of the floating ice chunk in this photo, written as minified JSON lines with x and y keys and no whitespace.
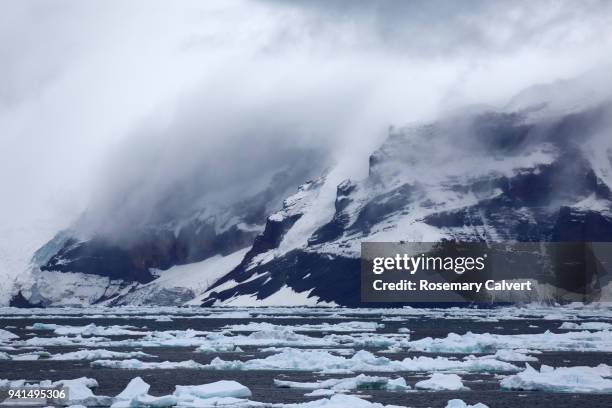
{"x":229,"y":315}
{"x":403,"y":330}
{"x":337,"y":401}
{"x":220,"y":393}
{"x":350,"y":327}
{"x":150,"y":401}
{"x":369,"y":340}
{"x":133,"y":364}
{"x":65,"y":341}
{"x":321,"y":392}
{"x":457,"y":403}
{"x":218,"y":347}
{"x":309,"y":360}
{"x":514,"y":355}
{"x":586,"y":326}
{"x":88,"y":330}
{"x":79,"y":391}
{"x":98,"y":354}
{"x":352,"y":383}
{"x":4,"y":356}
{"x":341,"y":351}
{"x":170,"y":338}
{"x":11,"y":383}
{"x":164,"y":319}
{"x":439,"y":382}
{"x":78,"y":355}
{"x":37,"y":355}
{"x":277,"y":336}
{"x":325,"y":362}
{"x":280,"y":336}
{"x":221,"y":388}
{"x":487,"y":343}
{"x":392,"y":319}
{"x":135,"y":387}
{"x":7,"y":335}
{"x":561,"y":379}
{"x":397,"y":384}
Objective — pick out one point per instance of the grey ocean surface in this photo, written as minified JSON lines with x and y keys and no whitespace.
{"x":484,"y":388}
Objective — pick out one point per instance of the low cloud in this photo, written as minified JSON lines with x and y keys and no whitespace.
{"x":139,"y":112}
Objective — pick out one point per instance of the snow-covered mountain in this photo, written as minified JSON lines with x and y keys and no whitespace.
{"x":539,"y":169}
{"x":78,"y":268}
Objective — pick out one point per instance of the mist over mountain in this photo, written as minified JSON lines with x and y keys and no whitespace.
{"x":140,"y":140}
{"x":538,"y":170}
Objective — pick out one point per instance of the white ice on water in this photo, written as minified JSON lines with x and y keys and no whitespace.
{"x":361,"y":381}
{"x":457,"y":403}
{"x":586,"y":326}
{"x":325,"y":362}
{"x":562,"y":379}
{"x":78,"y":355}
{"x":442,"y":382}
{"x":351,"y":327}
{"x":489,"y":343}
{"x":89,"y":330}
{"x":135,"y":387}
{"x":7,"y":335}
{"x":224,"y":393}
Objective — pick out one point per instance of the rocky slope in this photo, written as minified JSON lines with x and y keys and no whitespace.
{"x":492,"y":176}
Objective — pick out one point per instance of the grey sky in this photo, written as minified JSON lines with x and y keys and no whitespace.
{"x":84,"y":84}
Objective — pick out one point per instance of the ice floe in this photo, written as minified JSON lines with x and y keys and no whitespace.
{"x":134,"y":364}
{"x":586,"y":326}
{"x":78,"y":355}
{"x":219,"y":341}
{"x":7,"y":335}
{"x":135,"y":387}
{"x":337,"y":401}
{"x":221,"y":388}
{"x":317,"y":360}
{"x":320,"y":392}
{"x":147,"y":401}
{"x":216,"y":341}
{"x":65,"y":341}
{"x":516,"y":355}
{"x":98,"y":354}
{"x":341,"y":351}
{"x":561,"y":379}
{"x":220,"y":393}
{"x":219,"y":347}
{"x":350,"y":327}
{"x":440,"y":381}
{"x":457,"y":403}
{"x":79,"y":391}
{"x":88,"y":330}
{"x":570,"y":312}
{"x":359,"y":382}
{"x":323,"y":361}
{"x":488,"y":343}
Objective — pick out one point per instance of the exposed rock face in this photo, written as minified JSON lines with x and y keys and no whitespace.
{"x":487,"y":177}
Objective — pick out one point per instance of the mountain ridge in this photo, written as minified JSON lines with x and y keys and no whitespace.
{"x":526,"y":174}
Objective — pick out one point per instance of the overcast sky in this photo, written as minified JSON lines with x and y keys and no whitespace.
{"x":100,"y":97}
